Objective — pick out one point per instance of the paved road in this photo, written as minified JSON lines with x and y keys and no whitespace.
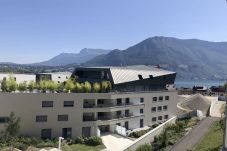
{"x":195,"y":135}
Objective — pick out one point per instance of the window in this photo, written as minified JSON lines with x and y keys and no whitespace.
{"x":154,"y":99}
{"x":67,"y":133}
{"x":141,"y":100}
{"x":153,"y":109}
{"x":47,"y":103}
{"x":167,"y":98}
{"x":46,"y":133}
{"x":41,"y":118}
{"x":166,"y":117}
{"x":86,"y":131}
{"x":4,"y":119}
{"x":160,"y":118}
{"x":141,"y":123}
{"x":160,"y":98}
{"x":141,"y":111}
{"x":127,"y":101}
{"x":119,"y":124}
{"x":119,"y":102}
{"x":165,"y":107}
{"x":159,"y":108}
{"x":126,"y":125}
{"x":68,"y":103}
{"x":63,"y":117}
{"x":154,"y":119}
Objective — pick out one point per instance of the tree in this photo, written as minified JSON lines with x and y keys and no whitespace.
{"x":31,"y":86}
{"x":78,"y":87}
{"x":12,"y":127}
{"x":106,"y":86}
{"x":43,"y":85}
{"x":3,"y":86}
{"x":165,"y":139}
{"x":11,"y":84}
{"x":22,"y":87}
{"x":52,"y":86}
{"x":69,"y":85}
{"x":87,"y":87}
{"x":96,"y":87}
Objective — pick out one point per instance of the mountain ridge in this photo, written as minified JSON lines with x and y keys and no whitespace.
{"x":204,"y":59}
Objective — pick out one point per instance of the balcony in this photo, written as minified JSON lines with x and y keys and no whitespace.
{"x":108,"y":105}
{"x":117,"y":117}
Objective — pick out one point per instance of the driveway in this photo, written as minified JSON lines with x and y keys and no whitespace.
{"x":195,"y":135}
{"x":114,"y":142}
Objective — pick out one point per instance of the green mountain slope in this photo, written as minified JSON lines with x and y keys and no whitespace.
{"x":192,"y":59}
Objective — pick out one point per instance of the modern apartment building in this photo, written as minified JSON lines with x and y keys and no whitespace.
{"x":141,"y":96}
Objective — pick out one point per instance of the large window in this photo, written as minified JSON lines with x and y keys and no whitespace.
{"x":4,"y":119}
{"x":166,"y":116}
{"x":63,"y":117}
{"x":68,"y":103}
{"x":41,"y":118}
{"x":160,"y":118}
{"x":67,"y":133}
{"x":167,"y":98}
{"x":47,"y":103}
{"x":154,"y":119}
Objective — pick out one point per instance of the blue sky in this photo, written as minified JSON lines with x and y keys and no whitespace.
{"x":36,"y":30}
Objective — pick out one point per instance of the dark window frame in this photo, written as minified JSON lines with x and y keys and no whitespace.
{"x":154,"y":119}
{"x":61,"y":117}
{"x":67,"y":105}
{"x":155,"y":99}
{"x":153,"y":110}
{"x":50,"y":104}
{"x":41,"y":118}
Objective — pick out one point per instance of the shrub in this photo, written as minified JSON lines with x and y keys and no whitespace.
{"x":139,"y":133}
{"x":93,"y":141}
{"x":87,"y":87}
{"x":96,"y":87}
{"x":78,"y":140}
{"x":22,"y":87}
{"x":155,"y":125}
{"x":20,"y":145}
{"x":144,"y":147}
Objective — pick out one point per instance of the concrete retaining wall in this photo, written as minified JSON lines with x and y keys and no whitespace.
{"x":149,"y":137}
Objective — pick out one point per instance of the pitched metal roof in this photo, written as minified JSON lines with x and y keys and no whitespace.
{"x":131,"y":73}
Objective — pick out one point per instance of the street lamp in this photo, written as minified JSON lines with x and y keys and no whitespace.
{"x":59,"y":143}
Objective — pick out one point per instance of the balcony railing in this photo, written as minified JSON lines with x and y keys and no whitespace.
{"x":109,"y":105}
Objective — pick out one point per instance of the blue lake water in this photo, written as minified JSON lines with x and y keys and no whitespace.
{"x":190,"y":84}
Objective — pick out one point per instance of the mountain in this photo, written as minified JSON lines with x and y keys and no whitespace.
{"x":192,"y":59}
{"x":73,"y":58}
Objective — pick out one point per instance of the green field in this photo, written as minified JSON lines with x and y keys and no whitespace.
{"x":213,"y":140}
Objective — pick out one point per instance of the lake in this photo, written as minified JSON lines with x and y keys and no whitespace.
{"x":190,"y":84}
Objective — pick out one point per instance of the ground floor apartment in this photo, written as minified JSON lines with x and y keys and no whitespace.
{"x":70,"y":115}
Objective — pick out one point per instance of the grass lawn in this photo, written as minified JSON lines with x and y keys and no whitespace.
{"x":82,"y":147}
{"x":213,"y":140}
